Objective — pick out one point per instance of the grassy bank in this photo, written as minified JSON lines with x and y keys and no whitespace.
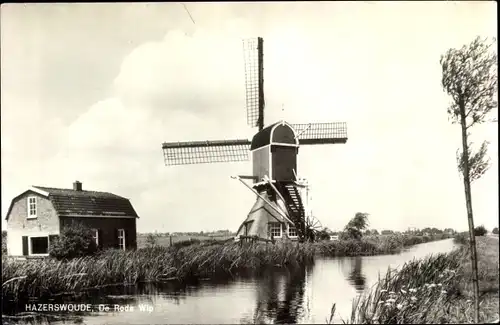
{"x":372,"y":245}
{"x":434,"y":290}
{"x":181,"y":262}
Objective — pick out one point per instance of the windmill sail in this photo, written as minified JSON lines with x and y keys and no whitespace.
{"x":202,"y":152}
{"x":321,"y":133}
{"x":254,"y":81}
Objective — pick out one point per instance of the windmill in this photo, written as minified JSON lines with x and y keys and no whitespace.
{"x":279,"y":210}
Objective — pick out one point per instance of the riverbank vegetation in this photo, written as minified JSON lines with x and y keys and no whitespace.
{"x":76,"y":265}
{"x":50,"y":277}
{"x":434,"y":290}
{"x":184,"y":261}
{"x":463,"y":238}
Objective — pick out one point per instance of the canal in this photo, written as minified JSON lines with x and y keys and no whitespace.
{"x":279,"y":296}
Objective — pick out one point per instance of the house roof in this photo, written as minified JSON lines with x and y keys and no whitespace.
{"x":80,"y":203}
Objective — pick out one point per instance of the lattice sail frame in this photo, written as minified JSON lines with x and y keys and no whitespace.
{"x":199,"y":152}
{"x":321,"y":133}
{"x":202,"y":152}
{"x":254,"y":81}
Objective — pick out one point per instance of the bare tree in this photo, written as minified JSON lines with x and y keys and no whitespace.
{"x":470,"y":78}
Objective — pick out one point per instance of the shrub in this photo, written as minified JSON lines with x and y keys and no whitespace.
{"x":323,"y":235}
{"x":495,"y":231}
{"x":461,"y":238}
{"x":480,"y":231}
{"x":354,"y":229}
{"x":75,"y":241}
{"x":352,"y":233}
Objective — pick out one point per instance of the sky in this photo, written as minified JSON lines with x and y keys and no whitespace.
{"x":91,"y":91}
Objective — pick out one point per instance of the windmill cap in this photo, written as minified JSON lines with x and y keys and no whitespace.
{"x":280,"y":132}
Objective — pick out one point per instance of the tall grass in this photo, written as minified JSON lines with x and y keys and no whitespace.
{"x":47,"y":278}
{"x":410,"y":295}
{"x":372,"y":245}
{"x":432,"y":290}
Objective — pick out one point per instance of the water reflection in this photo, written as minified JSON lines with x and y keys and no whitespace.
{"x":352,"y":271}
{"x":356,"y":276}
{"x":279,"y":297}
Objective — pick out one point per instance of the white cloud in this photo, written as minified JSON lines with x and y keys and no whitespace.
{"x":116,"y":144}
{"x":383,"y":79}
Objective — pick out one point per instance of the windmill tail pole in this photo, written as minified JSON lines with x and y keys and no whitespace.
{"x":279,"y":194}
{"x":263,"y":198}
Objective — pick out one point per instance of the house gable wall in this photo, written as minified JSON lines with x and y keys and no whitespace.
{"x":18,"y":225}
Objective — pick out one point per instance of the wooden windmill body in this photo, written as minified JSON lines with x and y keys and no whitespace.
{"x":279,"y":210}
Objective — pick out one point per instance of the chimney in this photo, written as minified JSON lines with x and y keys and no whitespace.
{"x":77,"y":186}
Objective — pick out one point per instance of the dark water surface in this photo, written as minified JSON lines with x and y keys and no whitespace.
{"x":303,"y":296}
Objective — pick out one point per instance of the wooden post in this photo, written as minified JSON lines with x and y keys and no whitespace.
{"x":170,"y":240}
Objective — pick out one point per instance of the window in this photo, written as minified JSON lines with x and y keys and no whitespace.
{"x":31,"y":207}
{"x":292,"y":231}
{"x":39,"y":245}
{"x":274,"y":229}
{"x":121,"y":239}
{"x":95,"y":235}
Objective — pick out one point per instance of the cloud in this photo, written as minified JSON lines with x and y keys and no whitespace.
{"x":382,"y":78}
{"x":161,"y":74}
{"x":28,"y":141}
{"x":165,"y":92}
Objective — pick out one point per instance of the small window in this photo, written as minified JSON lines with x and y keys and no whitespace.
{"x":31,"y":207}
{"x":121,"y":239}
{"x":292,"y":231}
{"x":274,"y":230}
{"x":95,"y":236}
{"x":39,"y":245}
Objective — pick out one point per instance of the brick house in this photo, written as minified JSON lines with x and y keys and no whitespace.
{"x":38,"y":214}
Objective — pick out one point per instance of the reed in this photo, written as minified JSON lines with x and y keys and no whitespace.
{"x":372,"y":245}
{"x":48,"y":277}
{"x":410,"y":295}
{"x":432,"y":290}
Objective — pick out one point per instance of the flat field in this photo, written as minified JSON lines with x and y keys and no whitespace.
{"x":165,"y":240}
